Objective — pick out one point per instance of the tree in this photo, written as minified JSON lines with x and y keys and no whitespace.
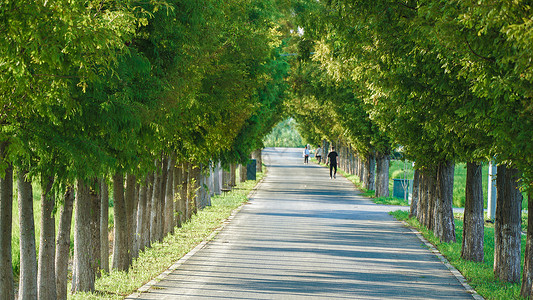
{"x":46,"y":269}
{"x":6,"y":207}
{"x":63,"y":244}
{"x":82,"y":272}
{"x":28,"y":256}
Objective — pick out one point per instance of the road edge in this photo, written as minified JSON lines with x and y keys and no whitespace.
{"x":462,"y":280}
{"x":147,"y":286}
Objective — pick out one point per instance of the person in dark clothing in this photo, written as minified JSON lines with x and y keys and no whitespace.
{"x":332,"y":161}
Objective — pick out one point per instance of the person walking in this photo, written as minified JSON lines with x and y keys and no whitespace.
{"x":318,"y":154}
{"x":306,"y":154}
{"x":332,"y":161}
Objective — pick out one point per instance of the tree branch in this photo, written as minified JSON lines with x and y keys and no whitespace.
{"x":491,"y":59}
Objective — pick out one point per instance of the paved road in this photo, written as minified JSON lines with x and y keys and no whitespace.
{"x":305,"y":236}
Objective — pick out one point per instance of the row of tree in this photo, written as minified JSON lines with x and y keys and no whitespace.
{"x":144,"y":96}
{"x":447,"y":81}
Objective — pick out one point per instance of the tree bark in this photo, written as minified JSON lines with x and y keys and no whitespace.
{"x":422,"y":197}
{"x":217,"y":179}
{"x":96,"y":207}
{"x":473,"y":229}
{"x":526,"y":290}
{"x":444,"y":221}
{"x":63,"y":244}
{"x":202,"y":187}
{"x":176,"y":186}
{"x":83,"y":275}
{"x":184,"y":193}
{"x":47,"y":247}
{"x":28,"y":255}
{"x":232,"y":175}
{"x":370,"y":183}
{"x":431,"y":182}
{"x":120,"y":250}
{"x":129,"y":201}
{"x":156,"y":192}
{"x":7,"y":286}
{"x":194,"y":189}
{"x":146,"y":237}
{"x":226,"y":179}
{"x":413,"y":211}
{"x":104,"y":225}
{"x":162,"y":195}
{"x":243,"y":173}
{"x":169,"y":199}
{"x":258,"y":160}
{"x":507,"y":227}
{"x":362,"y":168}
{"x":141,"y":219}
{"x":382,"y":178}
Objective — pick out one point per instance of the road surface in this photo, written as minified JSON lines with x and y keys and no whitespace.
{"x":305,"y":236}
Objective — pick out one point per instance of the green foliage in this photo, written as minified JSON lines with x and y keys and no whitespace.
{"x":284,"y":134}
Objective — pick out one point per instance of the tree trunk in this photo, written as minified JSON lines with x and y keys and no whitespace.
{"x":243,"y":173}
{"x":141,"y":219}
{"x":526,"y":290}
{"x":104,"y":225}
{"x":96,"y":207}
{"x":120,"y":249}
{"x":382,"y":182}
{"x":431,"y":198}
{"x":232,"y":175}
{"x":258,"y":160}
{"x":194,"y":189}
{"x":507,"y":227}
{"x":371,"y":173}
{"x":362,"y":167}
{"x":226,"y":179}
{"x":7,"y":286}
{"x":217,"y":179}
{"x":444,"y":222}
{"x":202,"y":188}
{"x":161,"y":201}
{"x":355,"y":163}
{"x":63,"y":244}
{"x":146,"y":237}
{"x":211,"y":180}
{"x":473,"y":229}
{"x":28,"y":255}
{"x":156,"y":192}
{"x":422,"y":197}
{"x":176,"y":195}
{"x":413,"y":211}
{"x":129,"y":201}
{"x":47,"y":247}
{"x":169,"y":199}
{"x":83,"y":275}
{"x":208,"y":185}
{"x":184,"y":193}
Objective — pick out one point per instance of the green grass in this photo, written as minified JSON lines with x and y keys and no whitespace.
{"x":157,"y":259}
{"x":390,"y":201}
{"x":479,"y":275}
{"x":371,"y":194}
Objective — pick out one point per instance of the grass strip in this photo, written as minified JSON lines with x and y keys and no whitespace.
{"x":478,"y":274}
{"x":155,"y":260}
{"x":372,"y":194}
